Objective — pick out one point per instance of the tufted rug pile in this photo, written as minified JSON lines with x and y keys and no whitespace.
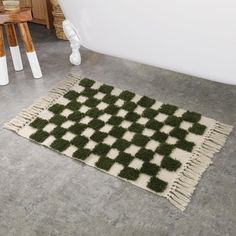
{"x":158,"y":147}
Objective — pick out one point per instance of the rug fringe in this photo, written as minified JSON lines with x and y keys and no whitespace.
{"x":27,"y":115}
{"x":183,"y":187}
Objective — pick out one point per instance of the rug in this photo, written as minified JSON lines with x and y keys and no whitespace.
{"x":155,"y":146}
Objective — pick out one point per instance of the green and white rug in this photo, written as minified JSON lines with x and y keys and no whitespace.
{"x":158,"y":147}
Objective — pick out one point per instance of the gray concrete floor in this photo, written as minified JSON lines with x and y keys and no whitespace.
{"x":44,"y":193}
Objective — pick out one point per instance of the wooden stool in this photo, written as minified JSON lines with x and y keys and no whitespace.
{"x":8,"y":19}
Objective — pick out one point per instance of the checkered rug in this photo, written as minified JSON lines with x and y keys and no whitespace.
{"x":158,"y":147}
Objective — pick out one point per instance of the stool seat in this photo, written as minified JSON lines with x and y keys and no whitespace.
{"x":8,"y":19}
{"x":22,"y":15}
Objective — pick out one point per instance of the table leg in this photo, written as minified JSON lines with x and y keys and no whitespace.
{"x":4,"y":79}
{"x":14,"y":48}
{"x":30,"y":51}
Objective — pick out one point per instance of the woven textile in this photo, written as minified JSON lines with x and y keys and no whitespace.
{"x":158,"y":147}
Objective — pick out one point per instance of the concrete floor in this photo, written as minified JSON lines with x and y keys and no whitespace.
{"x":44,"y":193}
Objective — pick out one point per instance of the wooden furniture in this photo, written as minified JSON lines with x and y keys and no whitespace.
{"x":8,"y":20}
{"x":41,"y":11}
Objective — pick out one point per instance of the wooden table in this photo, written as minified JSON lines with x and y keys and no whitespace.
{"x":8,"y":19}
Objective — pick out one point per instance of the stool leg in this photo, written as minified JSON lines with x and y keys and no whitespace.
{"x":4,"y":79}
{"x":30,"y":51}
{"x":14,"y":48}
